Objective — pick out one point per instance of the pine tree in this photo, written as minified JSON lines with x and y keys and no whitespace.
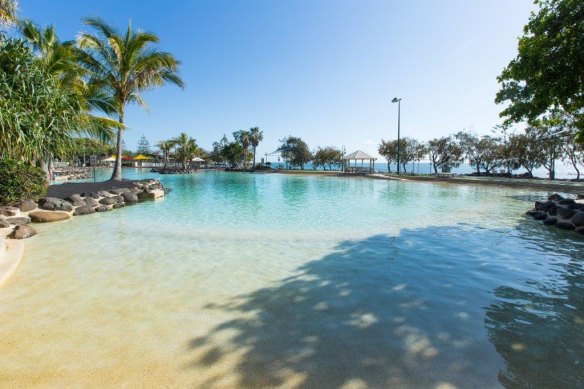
{"x":143,"y":145}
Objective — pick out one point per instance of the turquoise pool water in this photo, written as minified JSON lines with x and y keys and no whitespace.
{"x":269,"y":280}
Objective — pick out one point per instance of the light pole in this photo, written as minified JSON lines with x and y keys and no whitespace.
{"x":398,"y":101}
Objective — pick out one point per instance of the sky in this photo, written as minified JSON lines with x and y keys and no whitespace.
{"x":323,"y":70}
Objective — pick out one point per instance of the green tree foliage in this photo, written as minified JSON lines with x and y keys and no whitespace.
{"x":327,"y":157}
{"x":20,"y":180}
{"x":388,"y":150}
{"x":38,"y":118}
{"x":124,"y":66}
{"x":185,"y":149}
{"x":548,"y":70}
{"x":444,"y":153}
{"x":296,"y":151}
{"x":143,"y":146}
{"x":232,"y":152}
{"x":244,"y":138}
{"x":165,"y":146}
{"x":525,"y":151}
{"x":8,"y":10}
{"x":482,"y":152}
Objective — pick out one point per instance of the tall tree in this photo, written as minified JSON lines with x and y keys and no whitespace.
{"x":124,"y":66}
{"x":165,"y":146}
{"x":388,"y":150}
{"x":296,"y":151}
{"x":444,"y":153}
{"x":255,"y":137}
{"x":548,"y":70}
{"x":243,"y":137}
{"x":143,"y":145}
{"x":525,"y":151}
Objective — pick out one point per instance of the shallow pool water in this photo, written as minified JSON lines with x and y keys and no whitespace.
{"x":265,"y":280}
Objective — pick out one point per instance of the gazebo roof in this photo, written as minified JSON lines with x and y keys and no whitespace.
{"x":359,"y":155}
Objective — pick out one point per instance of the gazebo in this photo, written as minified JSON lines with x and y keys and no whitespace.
{"x":358,"y":156}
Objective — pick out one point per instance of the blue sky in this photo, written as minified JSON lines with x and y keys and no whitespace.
{"x":324,"y":70}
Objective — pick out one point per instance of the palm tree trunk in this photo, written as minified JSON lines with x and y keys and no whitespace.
{"x":117,"y":174}
{"x":254,"y":155}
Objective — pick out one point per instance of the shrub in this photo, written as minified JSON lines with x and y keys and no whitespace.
{"x":19,"y":181}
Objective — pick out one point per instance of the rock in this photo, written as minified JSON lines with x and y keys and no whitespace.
{"x":580,"y":230}
{"x":91,"y":202}
{"x":130,"y":197}
{"x":9,"y":211}
{"x":543,"y":205}
{"x":4,"y":223}
{"x":136,"y":190}
{"x":578,"y":219}
{"x":119,"y":191}
{"x":47,"y":216}
{"x":555,"y":197}
{"x":27,"y":205}
{"x":531,"y":212}
{"x":580,"y":196}
{"x":540,"y":215}
{"x":102,"y":208}
{"x":76,"y":200}
{"x":550,"y":221}
{"x":55,"y":204}
{"x":18,"y":221}
{"x":565,"y":225}
{"x":156,"y":185}
{"x":104,"y":193}
{"x":119,"y":205}
{"x":552,"y":210}
{"x":23,"y":232}
{"x":111,"y":200}
{"x":566,"y":202}
{"x":84,"y":210}
{"x":565,"y":213}
{"x":93,"y":195}
{"x":152,"y":195}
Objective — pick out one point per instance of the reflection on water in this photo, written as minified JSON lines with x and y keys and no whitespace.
{"x":248,"y":280}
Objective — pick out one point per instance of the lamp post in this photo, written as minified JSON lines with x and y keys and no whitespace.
{"x":398,"y":101}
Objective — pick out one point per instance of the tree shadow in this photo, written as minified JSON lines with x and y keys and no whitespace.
{"x":383,"y":311}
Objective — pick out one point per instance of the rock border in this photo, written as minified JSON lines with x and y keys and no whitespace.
{"x":563,"y":213}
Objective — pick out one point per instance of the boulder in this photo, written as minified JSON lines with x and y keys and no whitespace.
{"x":4,"y":223}
{"x":23,"y":232}
{"x":27,"y":205}
{"x":111,"y":200}
{"x":18,"y":221}
{"x":578,"y":219}
{"x":55,"y":204}
{"x":152,"y":195}
{"x":555,"y":197}
{"x":580,"y":196}
{"x":104,"y":193}
{"x":565,"y":212}
{"x":539,"y":215}
{"x":47,"y":216}
{"x":119,"y":205}
{"x":566,"y":202}
{"x":130,"y":197}
{"x":102,"y":208}
{"x":552,"y":210}
{"x":543,"y":205}
{"x":93,"y":195}
{"x":84,"y":210}
{"x":9,"y":211}
{"x":531,"y":212}
{"x":580,"y":230}
{"x":90,"y":201}
{"x":156,"y":185}
{"x":550,"y":221}
{"x":565,"y":225}
{"x":76,"y":200}
{"x":119,"y":191}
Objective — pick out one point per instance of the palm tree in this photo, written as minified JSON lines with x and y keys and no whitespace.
{"x":59,"y":59}
{"x":255,"y":137}
{"x":165,"y":146}
{"x":124,"y":66}
{"x":186,"y":148}
{"x":244,"y":138}
{"x":7,"y":12}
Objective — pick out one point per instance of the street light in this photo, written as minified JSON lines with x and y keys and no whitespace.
{"x":398,"y":101}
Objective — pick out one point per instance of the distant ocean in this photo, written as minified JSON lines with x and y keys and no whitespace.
{"x":562,"y":170}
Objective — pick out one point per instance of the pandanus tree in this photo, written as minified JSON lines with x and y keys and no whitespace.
{"x":255,"y":137}
{"x":124,"y":66}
